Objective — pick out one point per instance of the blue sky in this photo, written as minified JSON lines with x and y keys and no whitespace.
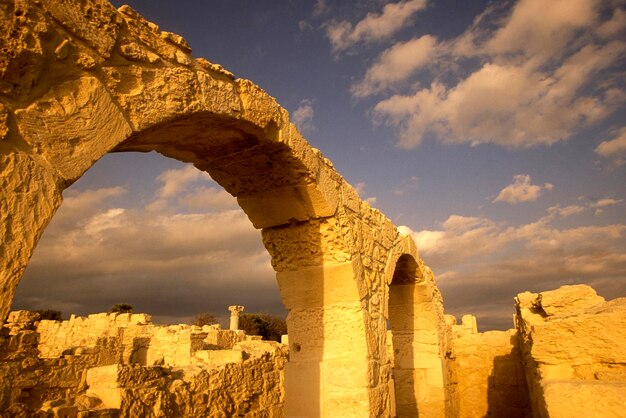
{"x":494,"y":131}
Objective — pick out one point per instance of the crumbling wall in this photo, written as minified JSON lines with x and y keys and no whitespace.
{"x":488,"y":373}
{"x":29,"y":382}
{"x":253,"y":387}
{"x":573,"y":347}
{"x":137,"y":340}
{"x":56,"y":337}
{"x":94,"y":377}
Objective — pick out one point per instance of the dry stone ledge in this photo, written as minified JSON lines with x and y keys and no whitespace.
{"x":575,"y":359}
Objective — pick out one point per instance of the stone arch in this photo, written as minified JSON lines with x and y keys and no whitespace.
{"x":418,"y":335}
{"x":80,"y":79}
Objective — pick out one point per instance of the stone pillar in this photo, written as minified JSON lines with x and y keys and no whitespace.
{"x":235,"y":310}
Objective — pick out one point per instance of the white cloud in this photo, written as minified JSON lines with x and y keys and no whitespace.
{"x":542,"y":74}
{"x":302,"y":117}
{"x":395,"y":65}
{"x":481,"y":264}
{"x":601,"y":204}
{"x":177,"y":180}
{"x":208,"y":199}
{"x":98,"y":251}
{"x":566,"y":211}
{"x":521,"y":190}
{"x":614,"y":148}
{"x":375,"y":26}
{"x":542,"y":30}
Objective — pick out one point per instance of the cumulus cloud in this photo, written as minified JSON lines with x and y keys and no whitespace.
{"x":374,"y":27}
{"x":565,"y":211}
{"x":395,"y":65}
{"x":601,"y":204}
{"x":533,"y":77}
{"x":481,"y":264}
{"x":302,"y":117}
{"x":176,"y":180}
{"x":195,"y":252}
{"x":521,"y":190}
{"x":614,"y":148}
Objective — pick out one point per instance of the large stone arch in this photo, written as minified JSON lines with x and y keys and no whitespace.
{"x":80,"y":79}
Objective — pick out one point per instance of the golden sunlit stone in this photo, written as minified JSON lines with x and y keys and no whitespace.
{"x":80,"y":79}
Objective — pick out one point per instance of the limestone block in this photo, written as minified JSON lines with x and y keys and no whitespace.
{"x":568,"y":300}
{"x":19,"y":317}
{"x":572,"y":399}
{"x":103,"y":383}
{"x":94,"y":21}
{"x":259,"y":107}
{"x":29,"y":194}
{"x":318,"y":286}
{"x":216,"y":358}
{"x":318,"y":332}
{"x":284,"y":205}
{"x":23,"y":30}
{"x":490,"y":376}
{"x":83,"y":120}
{"x":591,"y":333}
{"x":306,"y":244}
{"x":147,"y":36}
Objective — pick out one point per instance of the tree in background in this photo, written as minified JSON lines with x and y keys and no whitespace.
{"x":122,"y":308}
{"x":50,"y":314}
{"x":206,"y":318}
{"x":268,"y":326}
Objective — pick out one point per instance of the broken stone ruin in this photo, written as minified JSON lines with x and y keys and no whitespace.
{"x":368,"y":335}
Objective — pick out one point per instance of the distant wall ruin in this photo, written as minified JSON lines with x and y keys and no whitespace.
{"x":122,"y":365}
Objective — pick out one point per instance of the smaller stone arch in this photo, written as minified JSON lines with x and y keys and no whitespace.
{"x":415,"y":314}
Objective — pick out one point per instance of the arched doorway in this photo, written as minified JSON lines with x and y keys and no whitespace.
{"x":415,"y":314}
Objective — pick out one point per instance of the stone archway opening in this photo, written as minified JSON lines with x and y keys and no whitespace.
{"x":402,"y":327}
{"x":415,"y":312}
{"x":158,"y":234}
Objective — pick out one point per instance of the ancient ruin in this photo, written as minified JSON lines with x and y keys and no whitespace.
{"x":81,"y":79}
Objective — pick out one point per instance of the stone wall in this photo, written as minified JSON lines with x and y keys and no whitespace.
{"x":137,"y":339}
{"x":92,"y":366}
{"x":573,"y":345}
{"x":488,"y":371}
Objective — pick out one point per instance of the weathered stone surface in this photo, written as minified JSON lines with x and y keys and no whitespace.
{"x":573,"y":356}
{"x":81,"y":112}
{"x":80,"y":79}
{"x":569,"y":300}
{"x":489,"y":374}
{"x":29,"y":195}
{"x":95,"y":22}
{"x":22,"y":28}
{"x":98,"y":378}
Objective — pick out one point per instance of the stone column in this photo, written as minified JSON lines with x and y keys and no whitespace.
{"x":235,"y":310}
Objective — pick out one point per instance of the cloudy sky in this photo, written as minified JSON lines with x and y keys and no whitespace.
{"x":494,"y":131}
